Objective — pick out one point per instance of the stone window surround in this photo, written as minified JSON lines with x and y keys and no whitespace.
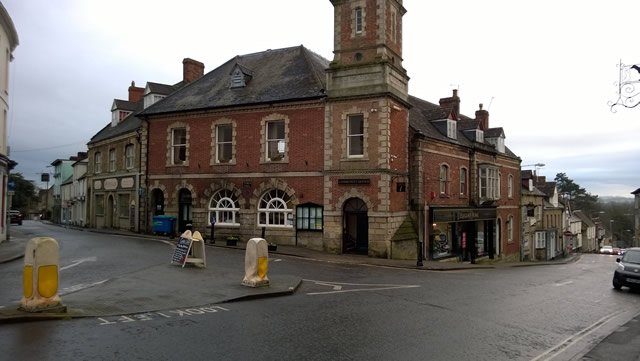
{"x":112,"y":160}
{"x":363,"y":7}
{"x":464,"y":192}
{"x":345,"y":132}
{"x":263,"y":138}
{"x":447,"y":179}
{"x":133,"y":156}
{"x":214,"y":143}
{"x":97,"y":162}
{"x":236,"y":210}
{"x":170,"y":129}
{"x":510,"y":186}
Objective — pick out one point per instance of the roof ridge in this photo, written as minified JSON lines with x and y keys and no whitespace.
{"x":305,"y":54}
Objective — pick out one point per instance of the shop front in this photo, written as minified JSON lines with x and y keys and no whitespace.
{"x":463,"y":233}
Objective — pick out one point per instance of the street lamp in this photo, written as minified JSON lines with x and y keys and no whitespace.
{"x":627,"y":90}
{"x":611,"y":227}
{"x":535,"y":166}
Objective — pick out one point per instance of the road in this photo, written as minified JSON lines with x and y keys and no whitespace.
{"x":341,"y":312}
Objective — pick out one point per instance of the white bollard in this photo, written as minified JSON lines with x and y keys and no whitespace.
{"x":256,"y":260}
{"x":41,"y":277}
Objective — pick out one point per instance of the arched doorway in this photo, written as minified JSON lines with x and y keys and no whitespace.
{"x":184,"y":209}
{"x":355,"y":233}
{"x":157,"y":202}
{"x":110,"y":223}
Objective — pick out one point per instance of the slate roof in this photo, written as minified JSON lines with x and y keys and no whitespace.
{"x":583,"y":217}
{"x":128,"y":124}
{"x":547,"y":187}
{"x":127,"y":105}
{"x":493,"y":132}
{"x":278,"y":75}
{"x":637,"y":191}
{"x":423,"y":113}
{"x":534,"y":192}
{"x":162,"y":89}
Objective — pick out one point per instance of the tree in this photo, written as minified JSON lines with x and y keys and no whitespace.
{"x":25,"y":193}
{"x":577,"y":196}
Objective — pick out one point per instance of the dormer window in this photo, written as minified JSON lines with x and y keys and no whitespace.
{"x":500,"y":145}
{"x":240,"y":76}
{"x":237,"y":79}
{"x":117,"y":116}
{"x":150,"y":99}
{"x":479,"y":136}
{"x":451,"y":128}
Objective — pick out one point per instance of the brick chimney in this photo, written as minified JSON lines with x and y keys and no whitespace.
{"x":453,"y":103}
{"x":483,"y":116}
{"x":135,"y":93}
{"x":191,"y":70}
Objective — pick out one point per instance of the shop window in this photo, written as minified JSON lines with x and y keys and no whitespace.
{"x":442,"y":242}
{"x":100,"y":205}
{"x":309,"y":217}
{"x":123,"y":205}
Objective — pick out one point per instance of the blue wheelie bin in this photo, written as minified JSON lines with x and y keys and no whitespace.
{"x":164,"y":225}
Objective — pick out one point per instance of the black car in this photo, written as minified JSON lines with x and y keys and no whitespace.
{"x":628,"y":270}
{"x":15,"y":217}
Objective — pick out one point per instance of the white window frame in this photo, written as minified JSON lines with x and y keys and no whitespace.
{"x":224,"y":206}
{"x":353,"y":136}
{"x":463,"y":181}
{"x":129,"y":151}
{"x":451,"y":129}
{"x":273,"y":206}
{"x":97,"y":162}
{"x":444,"y":179}
{"x":541,"y":239}
{"x":359,"y":20}
{"x":278,"y":155}
{"x":177,"y":146}
{"x":488,"y":182}
{"x":510,"y":186}
{"x":112,"y":160}
{"x":222,"y":143}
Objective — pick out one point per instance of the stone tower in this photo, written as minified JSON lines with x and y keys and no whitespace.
{"x":366,"y":129}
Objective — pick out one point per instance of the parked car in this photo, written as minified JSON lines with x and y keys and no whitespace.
{"x":15,"y":217}
{"x":627,"y":271}
{"x":606,"y":250}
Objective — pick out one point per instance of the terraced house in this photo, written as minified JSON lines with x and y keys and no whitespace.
{"x":114,"y":188}
{"x":332,"y":155}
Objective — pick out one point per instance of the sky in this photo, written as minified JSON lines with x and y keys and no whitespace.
{"x":545,"y":70}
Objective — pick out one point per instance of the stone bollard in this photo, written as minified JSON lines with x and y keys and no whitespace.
{"x":41,"y":277}
{"x":256,"y":259}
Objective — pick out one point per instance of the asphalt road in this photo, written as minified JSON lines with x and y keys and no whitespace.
{"x":341,"y":312}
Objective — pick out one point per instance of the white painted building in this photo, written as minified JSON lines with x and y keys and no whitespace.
{"x":79,"y":193}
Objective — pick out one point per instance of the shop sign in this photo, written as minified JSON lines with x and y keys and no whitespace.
{"x":110,"y":184}
{"x":126,"y":182}
{"x":463,"y":215}
{"x":355,"y":181}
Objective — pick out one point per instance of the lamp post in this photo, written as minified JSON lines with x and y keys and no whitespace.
{"x":628,"y":78}
{"x":611,"y":227}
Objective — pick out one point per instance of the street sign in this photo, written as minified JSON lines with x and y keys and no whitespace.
{"x":11,"y":184}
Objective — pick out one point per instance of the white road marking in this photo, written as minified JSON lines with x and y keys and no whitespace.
{"x":337,"y":287}
{"x":277,"y":260}
{"x":167,"y":242}
{"x":563,"y":283}
{"x":76,"y":288}
{"x":149,"y":316}
{"x":571,"y":340}
{"x":80,"y":261}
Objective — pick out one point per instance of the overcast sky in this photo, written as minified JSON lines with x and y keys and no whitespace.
{"x":545,"y":70}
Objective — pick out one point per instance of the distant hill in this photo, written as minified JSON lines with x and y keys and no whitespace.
{"x":612,"y":199}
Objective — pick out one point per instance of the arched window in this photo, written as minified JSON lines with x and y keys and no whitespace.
{"x":463,"y":181}
{"x":275,"y":209}
{"x":224,"y":208}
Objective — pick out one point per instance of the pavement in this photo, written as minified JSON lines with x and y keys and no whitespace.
{"x":148,"y":291}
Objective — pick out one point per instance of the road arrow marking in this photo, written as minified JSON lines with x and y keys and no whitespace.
{"x":337,"y":287}
{"x":80,"y":261}
{"x":82,"y":286}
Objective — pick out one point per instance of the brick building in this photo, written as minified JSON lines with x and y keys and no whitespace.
{"x":114,"y":191}
{"x":334,"y":156}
